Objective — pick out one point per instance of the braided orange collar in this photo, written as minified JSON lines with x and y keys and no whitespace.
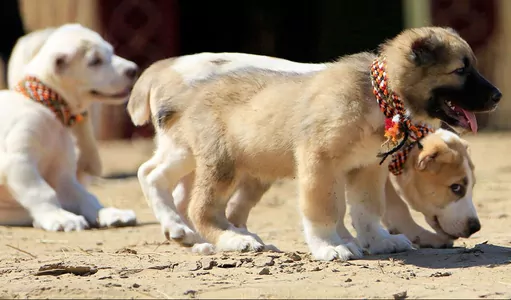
{"x":36,"y":90}
{"x":402,"y":135}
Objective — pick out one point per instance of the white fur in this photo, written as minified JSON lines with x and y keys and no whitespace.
{"x":197,"y":67}
{"x":237,"y":239}
{"x":327,"y":246}
{"x":38,"y":164}
{"x":158,"y":177}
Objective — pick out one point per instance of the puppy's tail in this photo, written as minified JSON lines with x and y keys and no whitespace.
{"x":151,"y":83}
{"x":139,"y":103}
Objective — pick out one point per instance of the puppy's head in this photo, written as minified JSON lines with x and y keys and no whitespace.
{"x":438,"y":182}
{"x":435,"y":71}
{"x":83,"y":65}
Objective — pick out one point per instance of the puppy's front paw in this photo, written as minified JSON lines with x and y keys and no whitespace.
{"x":114,"y":217}
{"x":237,"y":240}
{"x":390,"y":243}
{"x":428,"y":239}
{"x":60,"y":220}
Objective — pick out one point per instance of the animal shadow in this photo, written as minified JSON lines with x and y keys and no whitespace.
{"x":457,"y":257}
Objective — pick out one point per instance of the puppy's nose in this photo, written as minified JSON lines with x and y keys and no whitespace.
{"x":473,"y":226}
{"x":131,"y":73}
{"x":496,"y":96}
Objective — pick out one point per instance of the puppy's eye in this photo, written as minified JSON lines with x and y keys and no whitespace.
{"x":457,"y":189}
{"x":460,"y":71}
{"x":96,"y":61}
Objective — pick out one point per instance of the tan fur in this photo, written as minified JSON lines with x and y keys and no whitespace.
{"x":319,"y":126}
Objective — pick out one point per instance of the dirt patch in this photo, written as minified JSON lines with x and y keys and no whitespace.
{"x":136,"y":262}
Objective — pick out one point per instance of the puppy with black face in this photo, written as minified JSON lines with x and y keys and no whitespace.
{"x":441,"y":80}
{"x":324,"y":128}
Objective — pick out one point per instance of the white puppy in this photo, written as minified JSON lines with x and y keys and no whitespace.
{"x":26,"y":48}
{"x":72,"y":69}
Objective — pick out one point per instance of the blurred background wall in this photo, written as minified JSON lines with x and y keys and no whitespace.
{"x":300,"y":30}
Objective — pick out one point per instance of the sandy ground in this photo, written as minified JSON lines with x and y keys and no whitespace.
{"x":136,"y":262}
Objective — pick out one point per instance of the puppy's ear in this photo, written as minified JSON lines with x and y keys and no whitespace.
{"x":425,"y":50}
{"x":432,"y":157}
{"x":60,"y":62}
{"x":62,"y":59}
{"x":465,"y":144}
{"x":425,"y":158}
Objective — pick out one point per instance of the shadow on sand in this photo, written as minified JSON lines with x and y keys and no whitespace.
{"x":459,"y":257}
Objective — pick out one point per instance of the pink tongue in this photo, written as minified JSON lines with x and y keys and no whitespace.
{"x":471,"y":120}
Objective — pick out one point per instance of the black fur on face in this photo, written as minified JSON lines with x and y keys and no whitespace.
{"x":475,"y":95}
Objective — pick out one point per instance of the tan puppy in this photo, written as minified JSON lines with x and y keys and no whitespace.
{"x":190,"y":68}
{"x":438,"y":183}
{"x":73,"y":68}
{"x":326,"y":131}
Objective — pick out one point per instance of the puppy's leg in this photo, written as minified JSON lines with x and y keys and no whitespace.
{"x":320,"y":208}
{"x":89,"y":161}
{"x":248,"y":193}
{"x":397,"y":219}
{"x":366,"y":193}
{"x":158,"y":177}
{"x":30,"y":189}
{"x":213,"y":182}
{"x":74,"y":197}
{"x":182,"y":194}
{"x":70,"y":190}
{"x":342,"y":231}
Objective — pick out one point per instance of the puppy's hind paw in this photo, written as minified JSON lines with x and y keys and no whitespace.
{"x":234,"y":241}
{"x":428,"y":239}
{"x":60,"y":220}
{"x":114,"y":217}
{"x":339,"y":252}
{"x":203,"y":248}
{"x":181,"y":234}
{"x":390,"y":244}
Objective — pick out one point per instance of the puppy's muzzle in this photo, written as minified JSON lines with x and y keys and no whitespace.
{"x":473,"y":226}
{"x":485,"y":96}
{"x":131,"y":73}
{"x":497,"y":95}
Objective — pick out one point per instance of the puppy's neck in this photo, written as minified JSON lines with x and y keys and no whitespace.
{"x":34,"y":89}
{"x":398,"y":80}
{"x":43,"y":70}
